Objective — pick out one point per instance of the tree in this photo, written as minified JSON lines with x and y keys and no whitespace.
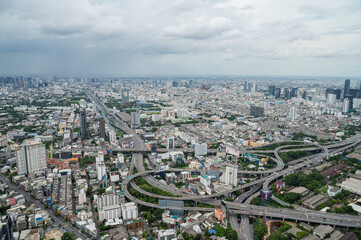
{"x":68,"y":236}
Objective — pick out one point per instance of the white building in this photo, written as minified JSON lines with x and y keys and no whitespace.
{"x":110,"y":212}
{"x":112,"y":136}
{"x":168,"y":234}
{"x":346,"y":106}
{"x":230,"y":176}
{"x":82,"y":196}
{"x":331,"y":98}
{"x":205,"y":180}
{"x":353,"y":185}
{"x":200,"y":149}
{"x":99,"y":158}
{"x":101,"y":171}
{"x":129,"y":210}
{"x":182,"y":112}
{"x":156,"y":117}
{"x":31,"y":158}
{"x":293,"y":113}
{"x":108,"y":200}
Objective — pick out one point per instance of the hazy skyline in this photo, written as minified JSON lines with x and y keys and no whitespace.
{"x":118,"y":38}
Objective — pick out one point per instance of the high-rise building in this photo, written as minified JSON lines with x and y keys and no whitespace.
{"x":230,"y":176}
{"x":346,"y":89}
{"x":31,"y":158}
{"x":304,"y":95}
{"x":129,"y":211}
{"x":112,"y":136}
{"x":294,"y":92}
{"x":6,"y":229}
{"x":293,"y":113}
{"x":135,"y":119}
{"x":277,"y":93}
{"x":170,"y":143}
{"x":346,"y":106}
{"x":200,"y":149}
{"x":331,"y":98}
{"x":125,"y":97}
{"x":101,"y":171}
{"x":83,"y":124}
{"x":271,"y":90}
{"x":102,"y":127}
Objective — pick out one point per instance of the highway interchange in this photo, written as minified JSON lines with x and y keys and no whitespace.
{"x":237,"y":207}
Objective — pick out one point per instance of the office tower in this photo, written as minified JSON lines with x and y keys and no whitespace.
{"x":246,"y":85}
{"x":230,"y":176}
{"x":170,"y":143}
{"x":200,"y":149}
{"x":346,"y":89}
{"x":304,"y":95}
{"x":102,"y":127}
{"x":346,"y":106}
{"x":254,"y":87}
{"x":125,"y":97}
{"x":293,"y":113}
{"x":294,"y":92}
{"x":83,"y":124}
{"x":271,"y":90}
{"x":135,"y":119}
{"x":285,"y":94}
{"x":338,"y":94}
{"x":175,"y":84}
{"x":31,"y":158}
{"x":277,"y":93}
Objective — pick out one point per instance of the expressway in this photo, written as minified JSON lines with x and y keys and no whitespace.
{"x":237,"y":207}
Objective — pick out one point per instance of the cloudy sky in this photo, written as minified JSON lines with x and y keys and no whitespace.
{"x":180,"y":37}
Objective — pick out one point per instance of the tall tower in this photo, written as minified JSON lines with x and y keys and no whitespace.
{"x":230,"y":177}
{"x":125,"y":97}
{"x":31,"y":158}
{"x":83,"y":124}
{"x":346,"y":90}
{"x":346,"y":106}
{"x":102,"y":127}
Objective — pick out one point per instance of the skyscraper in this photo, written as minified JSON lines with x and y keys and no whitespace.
{"x":293,"y":113}
{"x":31,"y":158}
{"x":125,"y":97}
{"x":102,"y":127}
{"x":271,"y":90}
{"x":294,"y":92}
{"x":346,"y":90}
{"x":346,"y":106}
{"x":230,"y":176}
{"x":135,"y":119}
{"x":83,"y":124}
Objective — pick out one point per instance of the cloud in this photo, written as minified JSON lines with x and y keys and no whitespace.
{"x":129,"y":37}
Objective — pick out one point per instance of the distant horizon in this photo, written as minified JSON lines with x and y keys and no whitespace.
{"x":183,"y":75}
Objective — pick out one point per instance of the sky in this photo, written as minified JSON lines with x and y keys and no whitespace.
{"x":180,"y":37}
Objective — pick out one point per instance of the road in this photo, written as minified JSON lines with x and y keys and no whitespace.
{"x":246,"y":209}
{"x":57,"y":219}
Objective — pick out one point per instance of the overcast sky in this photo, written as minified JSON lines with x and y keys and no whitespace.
{"x":181,"y":37}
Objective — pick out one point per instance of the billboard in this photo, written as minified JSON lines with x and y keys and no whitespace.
{"x":266,"y":194}
{"x":232,"y":151}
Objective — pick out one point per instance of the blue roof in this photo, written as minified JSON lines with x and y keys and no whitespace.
{"x":211,"y":231}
